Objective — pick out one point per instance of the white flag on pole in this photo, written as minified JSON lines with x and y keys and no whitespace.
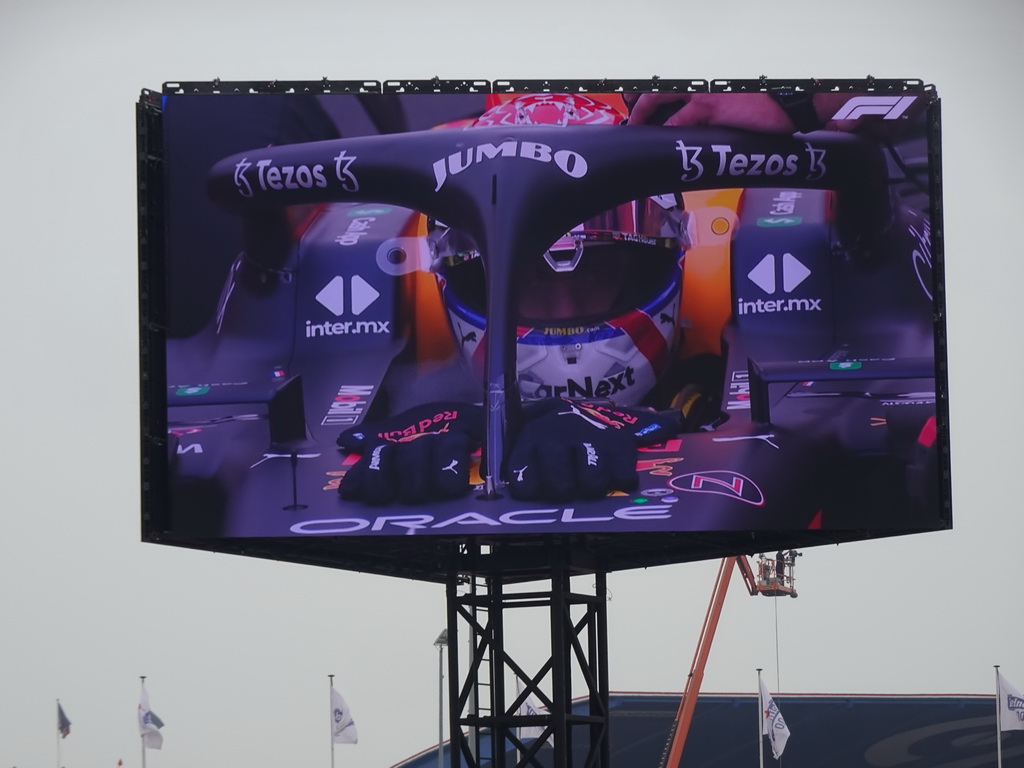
{"x":1011,"y":706}
{"x":772,"y":723}
{"x":149,"y":724}
{"x":530,"y":706}
{"x":343,"y":727}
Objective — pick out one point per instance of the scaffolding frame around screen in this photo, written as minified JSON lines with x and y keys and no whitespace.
{"x":485,"y":717}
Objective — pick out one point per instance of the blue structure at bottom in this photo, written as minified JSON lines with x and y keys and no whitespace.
{"x":828,"y":731}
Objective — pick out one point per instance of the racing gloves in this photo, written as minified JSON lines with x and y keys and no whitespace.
{"x":574,"y":449}
{"x":420,"y":455}
{"x":566,"y":449}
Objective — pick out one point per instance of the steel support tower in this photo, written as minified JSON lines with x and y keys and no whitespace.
{"x":489,"y":692}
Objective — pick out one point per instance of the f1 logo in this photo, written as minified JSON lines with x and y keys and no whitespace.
{"x":889,"y":107}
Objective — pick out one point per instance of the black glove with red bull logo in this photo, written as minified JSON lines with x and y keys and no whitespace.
{"x":578,"y":449}
{"x":421,"y":454}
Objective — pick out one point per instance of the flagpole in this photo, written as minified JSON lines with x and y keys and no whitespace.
{"x":331,"y":678}
{"x":142,"y":736}
{"x":999,"y":724}
{"x":58,"y":735}
{"x":760,"y":736}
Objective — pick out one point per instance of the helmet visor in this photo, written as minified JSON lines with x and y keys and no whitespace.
{"x":600,"y":276}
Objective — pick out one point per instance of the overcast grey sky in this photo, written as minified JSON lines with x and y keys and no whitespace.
{"x":237,"y":651}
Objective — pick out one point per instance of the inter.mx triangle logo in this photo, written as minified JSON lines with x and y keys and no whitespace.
{"x":765,"y":274}
{"x":332,"y":295}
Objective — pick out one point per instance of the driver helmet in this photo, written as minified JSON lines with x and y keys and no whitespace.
{"x":597,"y":312}
{"x":550,"y":109}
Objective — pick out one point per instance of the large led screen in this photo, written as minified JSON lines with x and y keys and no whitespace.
{"x":524,"y":313}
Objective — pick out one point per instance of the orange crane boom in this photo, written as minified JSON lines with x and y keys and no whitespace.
{"x":707,"y":635}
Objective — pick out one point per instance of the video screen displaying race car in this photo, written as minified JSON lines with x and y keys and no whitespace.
{"x":482,"y":314}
